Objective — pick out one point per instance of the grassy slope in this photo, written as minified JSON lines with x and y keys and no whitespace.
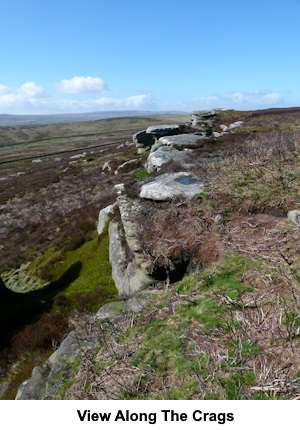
{"x":81,"y":281}
{"x":207,"y":337}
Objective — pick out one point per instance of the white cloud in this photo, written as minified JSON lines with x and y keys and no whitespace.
{"x":239,"y":100}
{"x":21,"y":99}
{"x":80,"y":85}
{"x":140,"y":101}
{"x":31,"y":98}
{"x":4,"y":89}
{"x":30,"y":89}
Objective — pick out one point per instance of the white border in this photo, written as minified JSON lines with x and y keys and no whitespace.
{"x":62,"y":414}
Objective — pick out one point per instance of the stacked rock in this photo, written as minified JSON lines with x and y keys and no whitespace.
{"x":203,"y":120}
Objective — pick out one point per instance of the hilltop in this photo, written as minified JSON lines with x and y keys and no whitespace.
{"x":198,"y":240}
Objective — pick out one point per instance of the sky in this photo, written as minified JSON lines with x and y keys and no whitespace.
{"x":99,"y":55}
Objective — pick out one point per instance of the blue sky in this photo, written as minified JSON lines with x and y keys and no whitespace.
{"x":94,"y":55}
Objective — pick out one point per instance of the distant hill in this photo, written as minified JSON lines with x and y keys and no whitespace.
{"x":7,"y":120}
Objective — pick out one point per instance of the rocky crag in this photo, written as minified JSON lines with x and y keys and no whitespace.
{"x":133,"y":274}
{"x":130,"y":268}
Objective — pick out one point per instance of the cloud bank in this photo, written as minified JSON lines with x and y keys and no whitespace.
{"x":79,"y":94}
{"x":88,"y":94}
{"x":240,"y":100}
{"x":81,"y":85}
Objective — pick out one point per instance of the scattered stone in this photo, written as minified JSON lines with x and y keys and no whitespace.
{"x":104,"y":216}
{"x":217,"y":134}
{"x":224,"y":127}
{"x":20,"y":173}
{"x":169,"y":186}
{"x":128,"y":165}
{"x":119,"y":188}
{"x":78,"y":156}
{"x":294,"y":216}
{"x":126,"y":144}
{"x":235,"y":125}
{"x":37,"y":160}
{"x":134,"y":304}
{"x":219,"y":219}
{"x":106,"y":166}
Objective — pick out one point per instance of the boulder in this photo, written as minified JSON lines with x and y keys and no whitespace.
{"x":204,"y":114}
{"x":143,"y":141}
{"x":203,"y":120}
{"x":146,"y":138}
{"x":119,"y":188}
{"x":182,"y":141}
{"x":104,"y":216}
{"x":130,"y":212}
{"x":46,"y":380}
{"x":294,"y":216}
{"x":134,"y":304}
{"x":128,"y":166}
{"x":166,"y":187}
{"x":224,"y":127}
{"x":127,"y":274}
{"x":219,"y":219}
{"x":130,"y":269}
{"x":163,"y":155}
{"x":106,"y":166}
{"x":235,"y":125}
{"x":163,"y":130}
{"x":217,"y":134}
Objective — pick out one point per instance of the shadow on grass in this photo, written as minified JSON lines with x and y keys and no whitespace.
{"x":20,"y":309}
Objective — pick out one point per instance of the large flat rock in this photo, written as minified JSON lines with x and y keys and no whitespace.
{"x":204,"y":113}
{"x":166,"y":187}
{"x":182,"y":140}
{"x":163,"y":130}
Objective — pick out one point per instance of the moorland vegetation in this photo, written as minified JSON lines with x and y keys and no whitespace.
{"x":227,"y":326}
